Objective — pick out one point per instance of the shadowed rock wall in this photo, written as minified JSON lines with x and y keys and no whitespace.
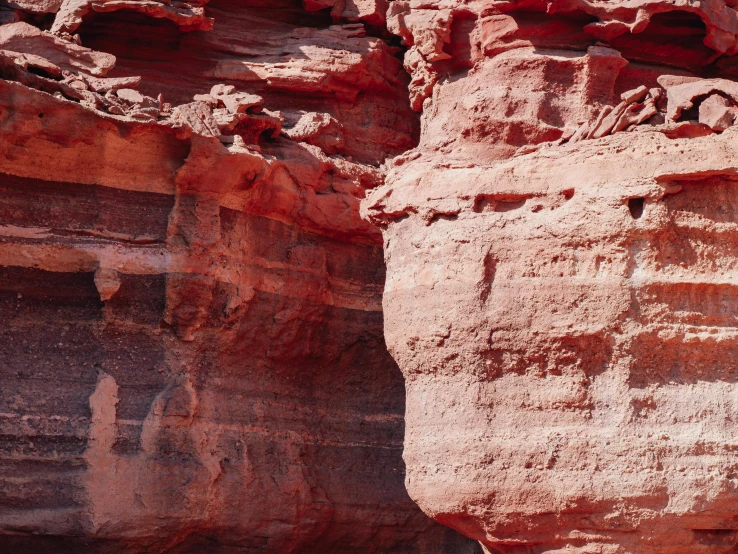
{"x":192,"y":351}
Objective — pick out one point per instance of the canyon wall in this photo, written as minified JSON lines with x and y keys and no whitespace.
{"x":198,"y":202}
{"x":561,"y":273}
{"x":192,"y":352}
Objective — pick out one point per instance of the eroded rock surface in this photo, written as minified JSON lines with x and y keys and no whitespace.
{"x":561,"y":273}
{"x":192,"y":353}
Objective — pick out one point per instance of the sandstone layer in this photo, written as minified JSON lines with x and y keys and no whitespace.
{"x":561,"y":273}
{"x":192,"y":343}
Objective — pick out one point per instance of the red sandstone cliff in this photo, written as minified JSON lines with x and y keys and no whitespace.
{"x":561,"y":273}
{"x":191,"y":350}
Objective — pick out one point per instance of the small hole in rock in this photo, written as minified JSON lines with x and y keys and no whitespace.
{"x":267,"y":135}
{"x":635,"y":205}
{"x":481,"y":203}
{"x":448,"y":217}
{"x":40,"y":115}
{"x":502,"y":206}
{"x":39,"y":71}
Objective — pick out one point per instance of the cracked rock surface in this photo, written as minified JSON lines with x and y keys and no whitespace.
{"x":229,"y":229}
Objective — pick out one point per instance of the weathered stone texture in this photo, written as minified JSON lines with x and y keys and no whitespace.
{"x":192,"y":354}
{"x":561,"y":266}
{"x":194,"y":343}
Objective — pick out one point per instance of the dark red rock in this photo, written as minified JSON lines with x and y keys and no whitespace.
{"x":192,"y":344}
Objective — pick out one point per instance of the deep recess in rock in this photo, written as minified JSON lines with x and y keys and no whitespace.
{"x":192,"y":354}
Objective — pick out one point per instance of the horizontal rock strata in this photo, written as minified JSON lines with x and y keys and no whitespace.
{"x":192,"y":349}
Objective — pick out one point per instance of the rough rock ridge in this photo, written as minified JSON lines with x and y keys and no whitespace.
{"x":192,"y":355}
{"x":561,"y":273}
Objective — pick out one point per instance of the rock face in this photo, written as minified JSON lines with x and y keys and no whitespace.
{"x":561,"y":273}
{"x":192,"y":345}
{"x":193,"y":356}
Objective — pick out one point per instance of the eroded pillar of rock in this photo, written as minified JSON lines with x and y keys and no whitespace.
{"x":561,"y":274}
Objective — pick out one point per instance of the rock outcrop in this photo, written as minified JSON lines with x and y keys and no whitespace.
{"x":192,"y":346}
{"x":561,"y":264}
{"x":194,"y":329}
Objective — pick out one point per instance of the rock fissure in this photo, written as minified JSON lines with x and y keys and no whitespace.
{"x":192,"y":349}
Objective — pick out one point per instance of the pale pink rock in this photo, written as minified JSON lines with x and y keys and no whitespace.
{"x":561,"y":308}
{"x":542,"y":378}
{"x":371,"y":11}
{"x":36,"y":6}
{"x":104,"y":85}
{"x":25,"y":61}
{"x":635,"y":95}
{"x":682,"y":97}
{"x":319,"y":129}
{"x":107,"y":282}
{"x":22,"y":37}
{"x":234,"y":101}
{"x":189,"y":16}
{"x":196,"y":117}
{"x":717,"y":112}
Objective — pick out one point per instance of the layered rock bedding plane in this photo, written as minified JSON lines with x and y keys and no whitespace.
{"x":191,"y":348}
{"x":229,"y":229}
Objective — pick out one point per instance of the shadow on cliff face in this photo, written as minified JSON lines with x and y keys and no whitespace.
{"x":285,"y":434}
{"x":271,"y":52}
{"x":276,"y":425}
{"x":675,"y":37}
